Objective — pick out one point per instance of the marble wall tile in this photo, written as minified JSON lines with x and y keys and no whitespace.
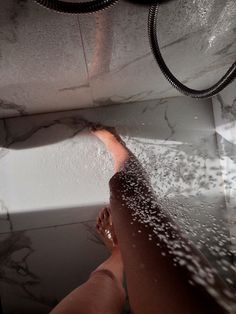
{"x":38,"y":268}
{"x":65,"y":171}
{"x":197,"y":40}
{"x":224,"y":106}
{"x":57,"y":183}
{"x":55,"y":175}
{"x":41,"y":61}
{"x":51,"y":62}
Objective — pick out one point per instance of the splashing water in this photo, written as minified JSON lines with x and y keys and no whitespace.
{"x":187,"y":180}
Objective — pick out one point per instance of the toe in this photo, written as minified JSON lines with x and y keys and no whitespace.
{"x":99,"y":221}
{"x":104,"y":227}
{"x":106,"y":213}
{"x":100,"y":215}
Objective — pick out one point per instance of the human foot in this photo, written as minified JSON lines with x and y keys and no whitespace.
{"x":114,"y":263}
{"x":114,"y":145}
{"x":106,"y":230}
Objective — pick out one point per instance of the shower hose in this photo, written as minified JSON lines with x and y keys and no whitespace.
{"x":97,"y":5}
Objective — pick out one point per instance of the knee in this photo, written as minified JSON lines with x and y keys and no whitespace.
{"x":104,"y":273}
{"x":110,"y":284}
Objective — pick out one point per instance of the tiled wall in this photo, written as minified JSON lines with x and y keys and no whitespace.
{"x":52,"y":62}
{"x":54,"y":180}
{"x":54,"y":174}
{"x":224,"y":106}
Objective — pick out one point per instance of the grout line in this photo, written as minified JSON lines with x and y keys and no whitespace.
{"x":82,"y":41}
{"x":217,"y":141}
{"x":133,"y":102}
{"x":85,"y":58}
{"x":47,"y":227}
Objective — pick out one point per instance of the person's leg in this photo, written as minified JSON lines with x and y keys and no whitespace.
{"x":103,"y":292}
{"x":164,"y":272}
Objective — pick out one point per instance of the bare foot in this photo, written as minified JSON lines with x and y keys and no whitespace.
{"x":105,"y":229}
{"x":114,"y":145}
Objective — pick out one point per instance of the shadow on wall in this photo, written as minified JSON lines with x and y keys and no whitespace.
{"x":17,"y":131}
{"x":163,"y":119}
{"x":19,"y":141}
{"x":48,"y":217}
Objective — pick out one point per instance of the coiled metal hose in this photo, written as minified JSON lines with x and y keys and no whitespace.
{"x":76,"y":8}
{"x":227,"y":78}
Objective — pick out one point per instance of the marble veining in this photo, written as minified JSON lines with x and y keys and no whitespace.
{"x":5,"y":215}
{"x":52,"y":62}
{"x":228,"y":111}
{"x":202,"y":39}
{"x":77,"y":125}
{"x":72,"y":88}
{"x":117,"y":100}
{"x":13,"y":12}
{"x":225,"y":121}
{"x":55,"y":180}
{"x":45,"y":57}
{"x":9,"y":106}
{"x":24,"y":278}
{"x":171,"y":127}
{"x":155,"y":126}
{"x":31,"y":279}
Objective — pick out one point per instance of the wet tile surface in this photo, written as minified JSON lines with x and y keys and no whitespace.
{"x":38,"y":268}
{"x":41,"y":60}
{"x":55,"y":179}
{"x":224,"y":106}
{"x":51,"y":164}
{"x":52,"y":62}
